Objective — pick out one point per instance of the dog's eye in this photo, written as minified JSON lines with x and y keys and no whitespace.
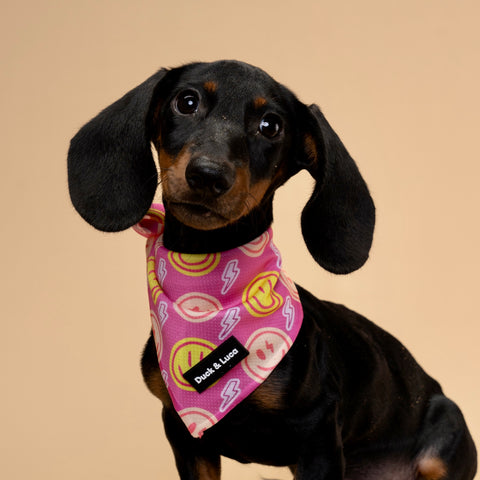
{"x":270,"y":125}
{"x":187,"y":102}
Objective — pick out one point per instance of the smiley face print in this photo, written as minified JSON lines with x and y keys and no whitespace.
{"x":260,"y":297}
{"x":185,"y":354}
{"x":197,"y":420}
{"x":267,"y":346}
{"x":256,"y":247}
{"x":197,"y":307}
{"x":194,"y":265}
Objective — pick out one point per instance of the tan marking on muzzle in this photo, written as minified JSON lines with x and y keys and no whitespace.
{"x":172,"y":170}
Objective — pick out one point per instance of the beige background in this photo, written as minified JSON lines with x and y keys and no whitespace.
{"x":399,"y":81}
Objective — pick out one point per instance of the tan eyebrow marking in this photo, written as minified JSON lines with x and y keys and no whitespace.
{"x":259,"y":102}
{"x":210,"y":86}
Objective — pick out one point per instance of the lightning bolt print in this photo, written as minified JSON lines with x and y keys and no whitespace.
{"x":229,"y":275}
{"x":289,"y":313}
{"x":277,"y":253}
{"x":161,"y":271}
{"x":230,"y":393}
{"x":231,"y":318}
{"x":162,"y":313}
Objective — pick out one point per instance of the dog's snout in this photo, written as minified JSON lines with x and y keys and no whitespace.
{"x":208,"y":176}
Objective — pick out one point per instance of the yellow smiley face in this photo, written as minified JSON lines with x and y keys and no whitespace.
{"x":194,"y":265}
{"x":185,"y":354}
{"x":153,"y":283}
{"x":260,"y":297}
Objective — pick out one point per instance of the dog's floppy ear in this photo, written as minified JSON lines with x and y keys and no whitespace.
{"x":339,"y":218}
{"x":112,"y":176}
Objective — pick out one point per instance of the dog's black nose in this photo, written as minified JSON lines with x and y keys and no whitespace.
{"x":208,"y":176}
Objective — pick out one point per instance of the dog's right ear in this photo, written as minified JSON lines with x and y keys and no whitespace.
{"x":112,"y":176}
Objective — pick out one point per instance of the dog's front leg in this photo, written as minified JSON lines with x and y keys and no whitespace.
{"x":322,"y":455}
{"x":194,"y":461}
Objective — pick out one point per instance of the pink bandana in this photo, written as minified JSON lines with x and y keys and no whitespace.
{"x":231,"y":315}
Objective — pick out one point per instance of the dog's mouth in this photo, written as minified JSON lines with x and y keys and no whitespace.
{"x":197,"y":215}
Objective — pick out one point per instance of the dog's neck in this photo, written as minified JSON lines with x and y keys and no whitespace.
{"x":181,"y":238}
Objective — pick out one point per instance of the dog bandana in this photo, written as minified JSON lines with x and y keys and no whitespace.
{"x":221,"y":321}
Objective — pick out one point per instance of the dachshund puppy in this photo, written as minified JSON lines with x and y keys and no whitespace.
{"x":345,"y":400}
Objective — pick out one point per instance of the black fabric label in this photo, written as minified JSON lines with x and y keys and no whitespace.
{"x":216,"y":364}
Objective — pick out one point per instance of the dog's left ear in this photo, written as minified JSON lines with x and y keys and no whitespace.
{"x":339,"y":218}
{"x":112,"y":176}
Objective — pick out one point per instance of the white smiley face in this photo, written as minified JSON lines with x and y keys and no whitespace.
{"x":267,"y":346}
{"x":197,"y":420}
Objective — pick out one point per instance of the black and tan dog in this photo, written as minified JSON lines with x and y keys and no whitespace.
{"x":348,"y":400}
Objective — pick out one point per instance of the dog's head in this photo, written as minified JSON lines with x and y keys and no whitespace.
{"x":227,"y":135}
